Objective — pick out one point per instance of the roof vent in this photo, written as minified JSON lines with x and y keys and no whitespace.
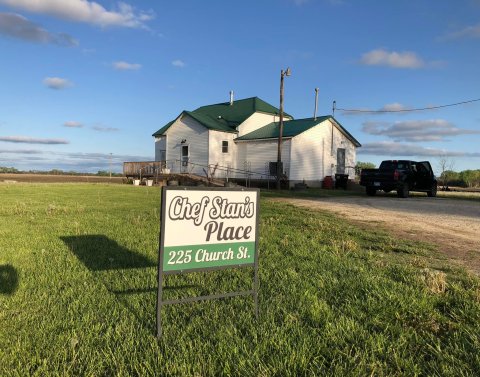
{"x":231,"y":97}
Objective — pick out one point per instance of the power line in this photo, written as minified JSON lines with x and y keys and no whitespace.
{"x":403,"y":110}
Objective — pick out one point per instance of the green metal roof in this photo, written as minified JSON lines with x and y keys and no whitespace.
{"x":239,"y":111}
{"x":292,"y":128}
{"x":162,"y":130}
{"x":211,"y":123}
{"x":226,"y":117}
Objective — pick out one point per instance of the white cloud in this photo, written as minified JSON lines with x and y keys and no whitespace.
{"x":16,"y":26}
{"x":394,"y":107}
{"x":85,"y":11}
{"x":472,"y":31}
{"x":105,"y":129}
{"x":20,"y":151}
{"x":124,"y":66}
{"x":373,"y":128}
{"x":178,"y":63}
{"x":56,"y":83}
{"x":73,"y":124}
{"x":389,"y":107}
{"x":32,"y":140}
{"x":392,"y":59}
{"x":416,"y":130}
{"x":358,"y":111}
{"x":390,"y":148}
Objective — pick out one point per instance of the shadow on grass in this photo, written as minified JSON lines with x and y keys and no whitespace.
{"x":125,"y":273}
{"x":99,"y":253}
{"x":8,"y":279}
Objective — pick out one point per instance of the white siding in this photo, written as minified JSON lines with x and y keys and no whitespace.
{"x":256,"y":121}
{"x":341,"y":141}
{"x":314,"y":156}
{"x":257,"y":154}
{"x":160,"y":145}
{"x":310,"y":151}
{"x":216,"y":155}
{"x":196,"y":137}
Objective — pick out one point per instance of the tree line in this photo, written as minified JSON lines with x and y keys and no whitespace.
{"x":11,"y":170}
{"x":464,"y":178}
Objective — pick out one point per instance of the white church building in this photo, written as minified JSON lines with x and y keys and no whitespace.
{"x":240,"y":138}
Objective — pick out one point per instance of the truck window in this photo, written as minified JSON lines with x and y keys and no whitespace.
{"x":392,"y":165}
{"x":422,"y":169}
{"x":387,"y":165}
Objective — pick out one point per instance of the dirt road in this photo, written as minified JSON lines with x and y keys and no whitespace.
{"x":452,"y":225}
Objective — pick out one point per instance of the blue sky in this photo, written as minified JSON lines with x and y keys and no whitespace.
{"x":83,"y":79}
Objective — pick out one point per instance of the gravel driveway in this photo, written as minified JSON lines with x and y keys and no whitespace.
{"x":451,"y":224}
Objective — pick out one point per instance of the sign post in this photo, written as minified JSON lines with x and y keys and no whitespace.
{"x":206,"y":229}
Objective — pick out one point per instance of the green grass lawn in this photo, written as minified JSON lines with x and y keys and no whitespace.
{"x":78,"y":292}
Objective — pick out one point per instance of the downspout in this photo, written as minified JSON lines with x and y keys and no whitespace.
{"x":331,"y":144}
{"x":323,"y":158}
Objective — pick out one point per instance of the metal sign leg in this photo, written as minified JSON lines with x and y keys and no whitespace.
{"x":159,"y":298}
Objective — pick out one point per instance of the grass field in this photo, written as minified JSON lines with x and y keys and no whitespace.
{"x":78,"y":290}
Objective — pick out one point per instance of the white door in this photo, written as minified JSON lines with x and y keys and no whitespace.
{"x":184,"y":158}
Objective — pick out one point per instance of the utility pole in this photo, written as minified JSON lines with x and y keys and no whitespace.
{"x":110,"y":165}
{"x":283,"y":73}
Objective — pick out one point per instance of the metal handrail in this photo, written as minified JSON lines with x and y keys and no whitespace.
{"x":221,"y":168}
{"x":156,"y":167}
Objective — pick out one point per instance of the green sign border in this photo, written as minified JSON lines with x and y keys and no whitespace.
{"x":226,"y":254}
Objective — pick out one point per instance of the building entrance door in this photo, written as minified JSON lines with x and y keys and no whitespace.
{"x":185,"y":156}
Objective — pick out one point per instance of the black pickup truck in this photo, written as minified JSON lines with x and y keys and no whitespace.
{"x":402,"y":176}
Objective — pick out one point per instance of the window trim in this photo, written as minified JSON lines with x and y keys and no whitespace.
{"x":225,"y":146}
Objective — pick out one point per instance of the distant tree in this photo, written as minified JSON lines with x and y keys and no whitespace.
{"x":4,"y":169}
{"x":471,"y":178}
{"x":449,"y":178}
{"x":445,"y":165}
{"x":363,"y":165}
{"x":476,"y":178}
{"x":104,"y":173}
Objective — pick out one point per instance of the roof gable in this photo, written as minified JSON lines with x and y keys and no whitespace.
{"x":225,"y":117}
{"x":236,"y":113}
{"x":293,"y":128}
{"x":204,"y":120}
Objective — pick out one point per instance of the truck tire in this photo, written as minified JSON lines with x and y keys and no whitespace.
{"x":403,"y":191}
{"x":433,"y":191}
{"x":371,"y":191}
